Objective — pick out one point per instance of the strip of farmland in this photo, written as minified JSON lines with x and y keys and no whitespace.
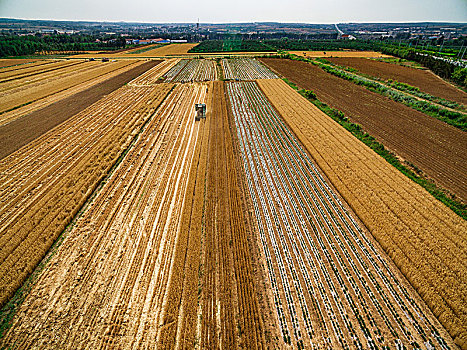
{"x":154,"y":75}
{"x":21,"y":131}
{"x":425,"y":80}
{"x":192,"y":70}
{"x":332,"y":285}
{"x":423,"y":238}
{"x":434,"y":147}
{"x":14,"y":62}
{"x":94,"y":79}
{"x":23,"y":91}
{"x":161,"y":256}
{"x":245,"y":69}
{"x":114,"y":269}
{"x":45,"y":183}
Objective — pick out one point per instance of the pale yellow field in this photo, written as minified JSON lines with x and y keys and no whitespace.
{"x":368,"y":54}
{"x":166,"y":50}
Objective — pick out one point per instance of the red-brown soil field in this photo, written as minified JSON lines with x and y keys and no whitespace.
{"x":21,"y":131}
{"x":436,"y":148}
{"x":425,"y":80}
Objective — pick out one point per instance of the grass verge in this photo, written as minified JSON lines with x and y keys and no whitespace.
{"x":439,"y":193}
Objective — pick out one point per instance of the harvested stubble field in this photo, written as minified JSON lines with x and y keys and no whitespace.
{"x":425,"y":80}
{"x":368,"y":54}
{"x":161,"y":51}
{"x":433,"y":146}
{"x":14,"y":62}
{"x":161,"y":256}
{"x":109,"y":72}
{"x":22,"y":66}
{"x":332,"y":286}
{"x":20,"y":131}
{"x":424,"y":238}
{"x":34,"y":70}
{"x":45,"y":183}
{"x":153,"y":75}
{"x":15,"y":93}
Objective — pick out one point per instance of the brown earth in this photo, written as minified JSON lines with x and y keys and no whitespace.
{"x":14,"y":62}
{"x":21,"y":131}
{"x":425,"y":239}
{"x":425,"y":80}
{"x":436,"y":148}
{"x":338,"y":54}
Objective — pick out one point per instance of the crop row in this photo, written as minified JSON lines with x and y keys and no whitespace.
{"x":192,"y":70}
{"x":153,"y":75}
{"x":336,"y":287}
{"x":245,"y":69}
{"x":45,"y":183}
{"x":28,"y":89}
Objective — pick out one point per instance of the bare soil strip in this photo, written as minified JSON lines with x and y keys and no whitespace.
{"x":45,"y":183}
{"x":431,"y":145}
{"x":425,"y":80}
{"x":21,"y":131}
{"x":425,"y":239}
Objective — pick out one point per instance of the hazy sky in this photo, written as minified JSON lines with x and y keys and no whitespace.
{"x":215,"y":11}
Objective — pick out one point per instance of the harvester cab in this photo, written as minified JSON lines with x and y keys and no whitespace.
{"x":200,"y":111}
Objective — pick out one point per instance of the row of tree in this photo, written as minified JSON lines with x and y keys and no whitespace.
{"x":14,"y":45}
{"x":441,"y":67}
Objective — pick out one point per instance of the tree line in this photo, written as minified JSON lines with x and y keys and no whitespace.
{"x":14,"y":45}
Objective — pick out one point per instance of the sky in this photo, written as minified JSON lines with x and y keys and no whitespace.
{"x":216,"y":11}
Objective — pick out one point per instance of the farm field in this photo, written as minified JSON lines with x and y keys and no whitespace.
{"x":425,"y":80}
{"x":141,"y":248}
{"x":263,"y":224}
{"x":331,"y":286}
{"x":17,"y":92}
{"x":368,"y":54}
{"x":425,"y":239}
{"x":34,"y":70}
{"x":29,"y":107}
{"x":192,"y":70}
{"x":434,"y":147}
{"x":46,"y":182}
{"x":20,"y":131}
{"x":245,"y":69}
{"x":160,"y":51}
{"x":14,"y":62}
{"x":154,"y":75}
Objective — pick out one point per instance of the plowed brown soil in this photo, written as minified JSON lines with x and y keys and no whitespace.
{"x":436,"y":148}
{"x":425,"y":80}
{"x":21,"y":131}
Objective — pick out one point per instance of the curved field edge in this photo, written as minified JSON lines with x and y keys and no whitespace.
{"x":420,"y":235}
